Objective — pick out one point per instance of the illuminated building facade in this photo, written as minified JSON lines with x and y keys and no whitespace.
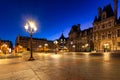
{"x":6,"y":46}
{"x":62,"y":42}
{"x":38,"y":44}
{"x":106,"y":29}
{"x":73,"y":38}
{"x":80,"y":40}
{"x":104,"y":36}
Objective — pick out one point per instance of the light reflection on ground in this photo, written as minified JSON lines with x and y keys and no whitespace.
{"x":56,"y":56}
{"x":106,"y":56}
{"x":63,"y":66}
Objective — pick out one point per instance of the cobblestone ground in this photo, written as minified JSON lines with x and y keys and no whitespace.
{"x":63,"y":66}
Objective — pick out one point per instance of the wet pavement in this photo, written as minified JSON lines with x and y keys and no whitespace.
{"x":62,"y":66}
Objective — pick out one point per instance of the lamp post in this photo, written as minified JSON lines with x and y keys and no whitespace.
{"x":31,"y":27}
{"x":56,"y":43}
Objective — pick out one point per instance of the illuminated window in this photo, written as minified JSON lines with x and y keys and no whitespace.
{"x":71,"y":42}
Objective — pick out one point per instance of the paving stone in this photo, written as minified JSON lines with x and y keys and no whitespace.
{"x":61,"y":67}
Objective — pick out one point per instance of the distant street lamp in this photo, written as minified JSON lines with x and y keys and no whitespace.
{"x":46,"y":44}
{"x":45,"y":47}
{"x":31,"y":27}
{"x":56,"y":44}
{"x":39,"y":48}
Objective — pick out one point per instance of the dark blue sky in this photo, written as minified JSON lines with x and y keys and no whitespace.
{"x":53,"y":16}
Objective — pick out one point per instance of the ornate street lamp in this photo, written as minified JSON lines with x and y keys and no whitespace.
{"x":31,"y":27}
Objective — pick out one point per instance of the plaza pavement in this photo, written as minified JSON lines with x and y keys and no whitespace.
{"x":66,"y":66}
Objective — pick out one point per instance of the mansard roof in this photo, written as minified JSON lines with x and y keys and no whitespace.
{"x":62,"y":36}
{"x":109,"y":13}
{"x":86,"y":31}
{"x":95,"y":19}
{"x":75,"y":28}
{"x":26,"y":37}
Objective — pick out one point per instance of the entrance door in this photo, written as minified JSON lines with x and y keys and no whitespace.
{"x":106,"y":47}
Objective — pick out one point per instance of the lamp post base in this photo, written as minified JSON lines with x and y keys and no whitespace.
{"x":31,"y":59}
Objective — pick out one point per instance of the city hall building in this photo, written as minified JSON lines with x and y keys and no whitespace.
{"x":106,"y":29}
{"x":104,"y":36}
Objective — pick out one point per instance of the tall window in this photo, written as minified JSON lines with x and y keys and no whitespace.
{"x":109,"y":36}
{"x":103,"y":26}
{"x":104,"y":15}
{"x":118,"y":32}
{"x":94,"y":27}
{"x":94,"y":37}
{"x":109,"y":24}
{"x":103,"y":36}
{"x":98,"y":27}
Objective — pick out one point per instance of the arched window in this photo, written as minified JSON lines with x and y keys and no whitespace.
{"x":104,"y":15}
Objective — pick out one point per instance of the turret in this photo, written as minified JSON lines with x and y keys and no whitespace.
{"x":115,"y":8}
{"x":99,"y":11}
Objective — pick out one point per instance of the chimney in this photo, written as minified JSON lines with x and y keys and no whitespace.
{"x":115,"y":8}
{"x":99,"y":11}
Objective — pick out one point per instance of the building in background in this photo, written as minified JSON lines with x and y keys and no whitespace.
{"x":23,"y":44}
{"x":62,"y":43}
{"x":80,"y":40}
{"x":73,"y":38}
{"x":86,"y":40}
{"x":103,"y":36}
{"x":6,"y":46}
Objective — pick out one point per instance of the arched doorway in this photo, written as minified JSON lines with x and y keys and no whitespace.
{"x":106,"y":47}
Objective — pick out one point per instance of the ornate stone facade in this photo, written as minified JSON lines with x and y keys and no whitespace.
{"x":104,"y":36}
{"x":80,"y":40}
{"x":106,"y":29}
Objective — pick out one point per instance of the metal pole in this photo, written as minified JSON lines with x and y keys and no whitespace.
{"x":56,"y":49}
{"x":31,"y":56}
